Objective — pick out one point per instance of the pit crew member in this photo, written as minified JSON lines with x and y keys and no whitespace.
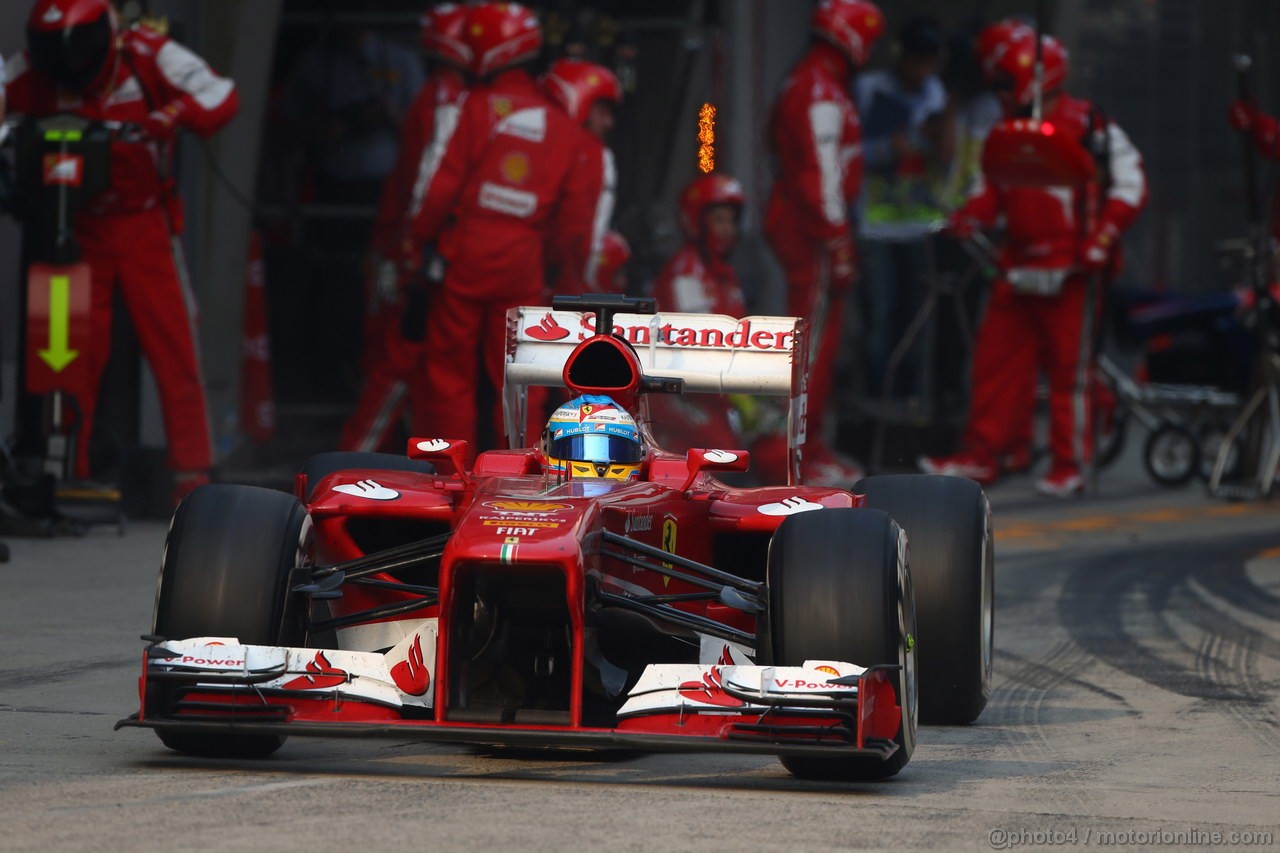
{"x":507,"y":185}
{"x":1044,"y":304}
{"x":816,"y":139}
{"x":79,"y":60}
{"x":699,"y":279}
{"x":589,"y":94}
{"x":396,"y":304}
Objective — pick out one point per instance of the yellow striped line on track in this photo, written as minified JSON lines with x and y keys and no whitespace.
{"x":1044,"y":531}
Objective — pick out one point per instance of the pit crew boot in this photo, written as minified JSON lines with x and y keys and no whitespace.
{"x":1063,"y":481}
{"x":968,"y":464}
{"x":823,"y":466}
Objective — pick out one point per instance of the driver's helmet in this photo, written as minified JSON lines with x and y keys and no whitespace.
{"x":592,"y":436}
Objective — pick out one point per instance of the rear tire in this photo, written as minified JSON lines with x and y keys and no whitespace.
{"x":840,"y":589}
{"x":226,"y":573}
{"x":948,"y":525}
{"x":323,"y":464}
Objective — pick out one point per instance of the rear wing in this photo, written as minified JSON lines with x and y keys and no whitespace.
{"x":710,"y":353}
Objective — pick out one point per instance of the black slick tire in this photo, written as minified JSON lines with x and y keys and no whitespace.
{"x":840,"y":589}
{"x":948,"y":525}
{"x":226,"y":573}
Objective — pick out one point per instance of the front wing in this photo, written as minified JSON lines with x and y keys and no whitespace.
{"x":216,"y":685}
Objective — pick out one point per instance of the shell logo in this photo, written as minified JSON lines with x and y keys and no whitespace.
{"x":527,"y":506}
{"x":1024,"y":60}
{"x":515,"y":167}
{"x":476,"y":29}
{"x":829,"y":670}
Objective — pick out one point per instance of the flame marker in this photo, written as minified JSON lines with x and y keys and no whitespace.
{"x":707,"y":136}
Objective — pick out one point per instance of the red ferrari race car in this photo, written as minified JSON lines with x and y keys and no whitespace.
{"x":536,"y":598}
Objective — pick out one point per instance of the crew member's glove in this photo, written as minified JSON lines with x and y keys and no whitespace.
{"x":1100,"y":247}
{"x":840,"y":251}
{"x":1241,"y":115}
{"x":162,"y":124}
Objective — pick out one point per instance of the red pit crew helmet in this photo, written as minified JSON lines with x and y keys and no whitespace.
{"x":444,"y":35}
{"x":1017,"y":65}
{"x":995,"y":39}
{"x":502,"y":35}
{"x":73,"y":42}
{"x":707,"y":191}
{"x":575,"y":84}
{"x":853,"y":26}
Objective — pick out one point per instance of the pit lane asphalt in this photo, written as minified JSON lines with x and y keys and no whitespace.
{"x":1137,"y":690}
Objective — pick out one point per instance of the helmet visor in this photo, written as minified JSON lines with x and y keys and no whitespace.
{"x":72,"y":58}
{"x":596,"y":447}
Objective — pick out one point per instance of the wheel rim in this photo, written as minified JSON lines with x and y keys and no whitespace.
{"x":906,"y":649}
{"x":1172,"y":455}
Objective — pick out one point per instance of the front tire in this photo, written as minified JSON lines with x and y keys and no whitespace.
{"x":226,"y":573}
{"x":948,"y":525}
{"x":840,"y":589}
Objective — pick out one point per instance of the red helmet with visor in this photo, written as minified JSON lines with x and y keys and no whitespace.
{"x":73,"y":42}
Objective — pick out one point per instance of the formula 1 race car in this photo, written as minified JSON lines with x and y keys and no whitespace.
{"x":497,"y":602}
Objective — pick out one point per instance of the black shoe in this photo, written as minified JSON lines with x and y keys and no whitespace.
{"x":4,"y":553}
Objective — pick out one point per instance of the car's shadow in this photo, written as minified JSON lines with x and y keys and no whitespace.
{"x":930,"y":771}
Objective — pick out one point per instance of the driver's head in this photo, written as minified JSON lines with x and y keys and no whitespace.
{"x":592,"y":436}
{"x":73,"y":42}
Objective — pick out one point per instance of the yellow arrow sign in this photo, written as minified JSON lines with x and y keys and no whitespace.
{"x":58,"y":356}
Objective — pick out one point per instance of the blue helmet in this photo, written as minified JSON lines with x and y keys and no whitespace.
{"x":592,"y":436}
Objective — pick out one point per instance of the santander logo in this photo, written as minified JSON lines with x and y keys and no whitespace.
{"x":411,"y":675}
{"x":433,"y":445}
{"x":720,"y":457}
{"x":320,"y":674}
{"x":705,"y":332}
{"x":709,"y":691}
{"x":547,"y":330}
